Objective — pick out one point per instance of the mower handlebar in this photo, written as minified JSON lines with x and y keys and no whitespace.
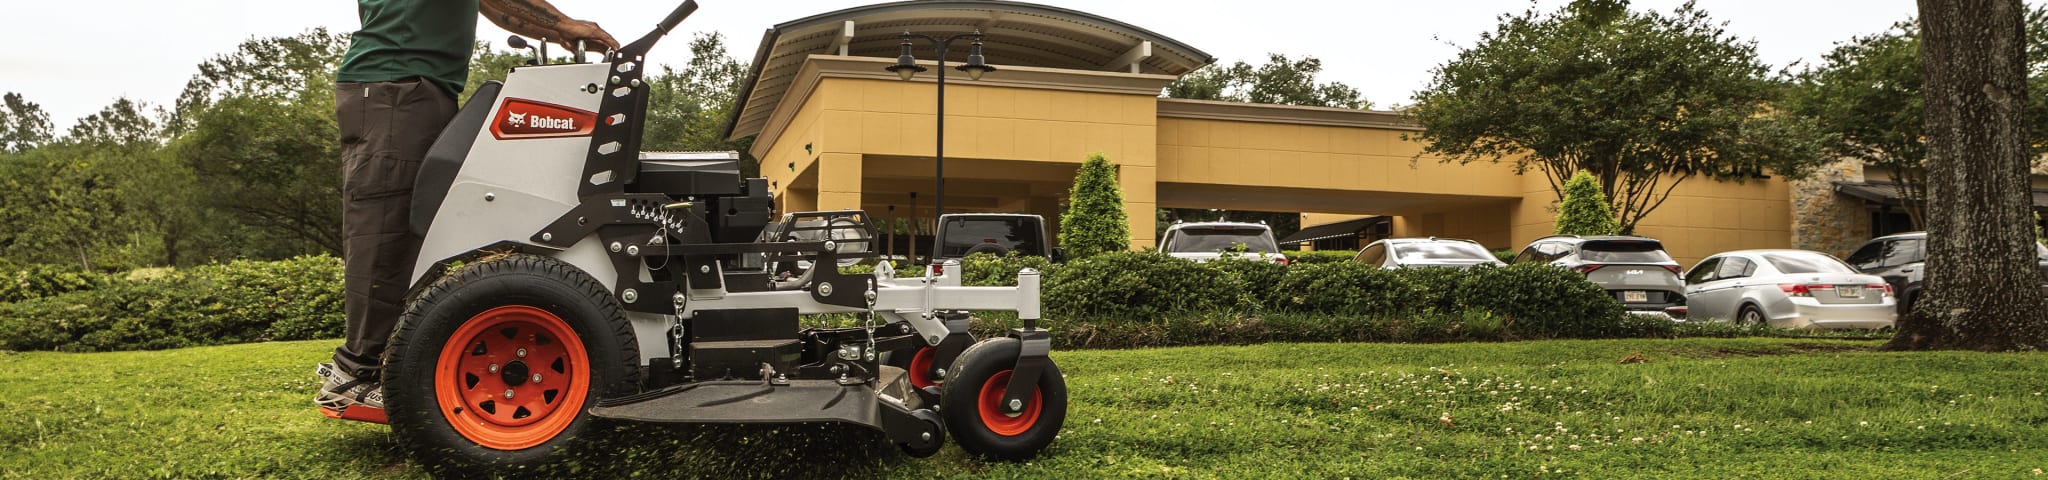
{"x":645,"y":43}
{"x":677,"y":16}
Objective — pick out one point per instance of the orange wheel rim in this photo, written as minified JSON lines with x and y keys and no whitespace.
{"x":512,"y":377}
{"x":921,"y":368}
{"x":991,"y":407}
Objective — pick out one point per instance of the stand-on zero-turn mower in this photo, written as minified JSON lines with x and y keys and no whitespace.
{"x":599,"y":282}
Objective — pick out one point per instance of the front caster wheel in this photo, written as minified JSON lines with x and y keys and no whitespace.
{"x":972,"y":401}
{"x":493,"y":369}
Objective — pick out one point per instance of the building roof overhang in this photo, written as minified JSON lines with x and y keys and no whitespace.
{"x":1016,"y":34}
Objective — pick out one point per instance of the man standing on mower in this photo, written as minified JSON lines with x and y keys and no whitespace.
{"x":394,"y":92}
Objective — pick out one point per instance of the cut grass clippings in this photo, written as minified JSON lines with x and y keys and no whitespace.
{"x":1689,"y":408}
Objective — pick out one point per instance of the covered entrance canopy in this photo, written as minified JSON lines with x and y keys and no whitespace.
{"x":1021,"y":34}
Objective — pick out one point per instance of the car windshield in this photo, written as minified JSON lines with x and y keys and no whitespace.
{"x":1223,"y":239}
{"x":1807,"y":263}
{"x":1623,"y":251}
{"x":1011,"y":234}
{"x":1429,"y":251}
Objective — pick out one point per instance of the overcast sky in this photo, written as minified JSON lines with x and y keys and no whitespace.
{"x":75,"y":57}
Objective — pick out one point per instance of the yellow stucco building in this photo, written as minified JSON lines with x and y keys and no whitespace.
{"x":834,"y":130}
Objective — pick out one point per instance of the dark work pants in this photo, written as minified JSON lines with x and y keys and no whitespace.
{"x":386,"y":128}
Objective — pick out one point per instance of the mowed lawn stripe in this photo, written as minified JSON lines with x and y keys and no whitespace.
{"x":1698,"y":408}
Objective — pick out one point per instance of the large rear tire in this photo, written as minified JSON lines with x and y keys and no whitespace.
{"x":972,"y":400}
{"x":493,"y":369}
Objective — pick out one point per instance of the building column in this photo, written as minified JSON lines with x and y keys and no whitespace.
{"x":839,"y":179}
{"x":1141,"y":202}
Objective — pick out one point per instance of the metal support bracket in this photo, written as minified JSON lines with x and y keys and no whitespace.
{"x":956,"y":341}
{"x":920,"y":431}
{"x":1034,"y":345}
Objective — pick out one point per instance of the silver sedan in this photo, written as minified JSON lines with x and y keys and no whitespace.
{"x":1788,"y":289}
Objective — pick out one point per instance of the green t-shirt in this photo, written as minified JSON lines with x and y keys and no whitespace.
{"x":402,"y":39}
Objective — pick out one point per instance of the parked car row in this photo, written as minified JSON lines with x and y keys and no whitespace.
{"x":1781,"y":288}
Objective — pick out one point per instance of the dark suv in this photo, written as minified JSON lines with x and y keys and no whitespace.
{"x":1900,"y":260}
{"x":1634,"y":269}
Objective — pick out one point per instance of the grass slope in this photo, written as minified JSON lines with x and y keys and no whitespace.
{"x":1702,"y":408}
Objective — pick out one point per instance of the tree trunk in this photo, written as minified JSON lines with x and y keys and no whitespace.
{"x":1983,"y":290}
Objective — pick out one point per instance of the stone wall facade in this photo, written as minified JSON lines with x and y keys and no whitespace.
{"x":1825,"y":221}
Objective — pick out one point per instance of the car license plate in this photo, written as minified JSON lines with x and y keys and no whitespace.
{"x":1635,"y":296}
{"x":1849,"y":291}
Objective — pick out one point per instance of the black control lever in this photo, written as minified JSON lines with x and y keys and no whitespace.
{"x":645,"y":43}
{"x":519,"y":43}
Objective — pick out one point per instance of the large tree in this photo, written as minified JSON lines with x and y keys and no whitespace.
{"x":256,"y":126}
{"x":1866,"y":95}
{"x":1983,"y":289}
{"x":1642,"y":100}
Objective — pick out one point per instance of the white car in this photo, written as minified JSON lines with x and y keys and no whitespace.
{"x":1788,"y":289}
{"x":1206,"y":241}
{"x":1428,"y":252}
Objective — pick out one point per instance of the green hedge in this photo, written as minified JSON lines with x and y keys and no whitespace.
{"x":1120,"y":299}
{"x":237,"y":302}
{"x":1296,"y":257}
{"x":37,"y":281}
{"x":1139,"y":285}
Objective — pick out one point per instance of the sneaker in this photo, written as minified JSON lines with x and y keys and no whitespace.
{"x":342,"y":390}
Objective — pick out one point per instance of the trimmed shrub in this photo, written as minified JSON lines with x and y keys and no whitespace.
{"x":1296,"y":257}
{"x":1584,"y":210}
{"x":37,"y":281}
{"x":1138,"y":285}
{"x":243,"y":301}
{"x":1261,"y":278}
{"x":989,"y":270}
{"x":1348,"y":288}
{"x":1095,"y":222}
{"x":1436,"y":289}
{"x":1538,"y":301}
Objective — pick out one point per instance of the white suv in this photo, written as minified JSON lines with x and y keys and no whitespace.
{"x":1207,"y":241}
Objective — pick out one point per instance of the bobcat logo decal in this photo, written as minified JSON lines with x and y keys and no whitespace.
{"x":519,"y":118}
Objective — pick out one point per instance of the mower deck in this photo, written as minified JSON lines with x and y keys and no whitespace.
{"x":750,"y":401}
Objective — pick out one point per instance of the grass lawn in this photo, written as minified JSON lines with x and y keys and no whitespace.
{"x":1701,"y":408}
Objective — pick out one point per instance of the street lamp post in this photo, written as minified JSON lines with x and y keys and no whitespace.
{"x":906,"y":67}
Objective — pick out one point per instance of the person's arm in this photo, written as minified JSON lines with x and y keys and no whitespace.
{"x":538,"y":19}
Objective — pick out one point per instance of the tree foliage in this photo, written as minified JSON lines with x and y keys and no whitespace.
{"x":23,"y":124}
{"x":1280,"y":81}
{"x":1585,"y":210}
{"x":245,"y":164}
{"x":1866,"y":95}
{"x":1642,"y":100}
{"x":1095,"y":221}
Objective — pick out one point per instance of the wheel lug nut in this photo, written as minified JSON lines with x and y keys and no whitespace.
{"x":494,"y":368}
{"x":536,"y":378}
{"x":521,"y":353}
{"x":1014,"y":404}
{"x":508,"y":393}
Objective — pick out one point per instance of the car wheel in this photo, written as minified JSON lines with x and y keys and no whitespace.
{"x":1749,"y":316}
